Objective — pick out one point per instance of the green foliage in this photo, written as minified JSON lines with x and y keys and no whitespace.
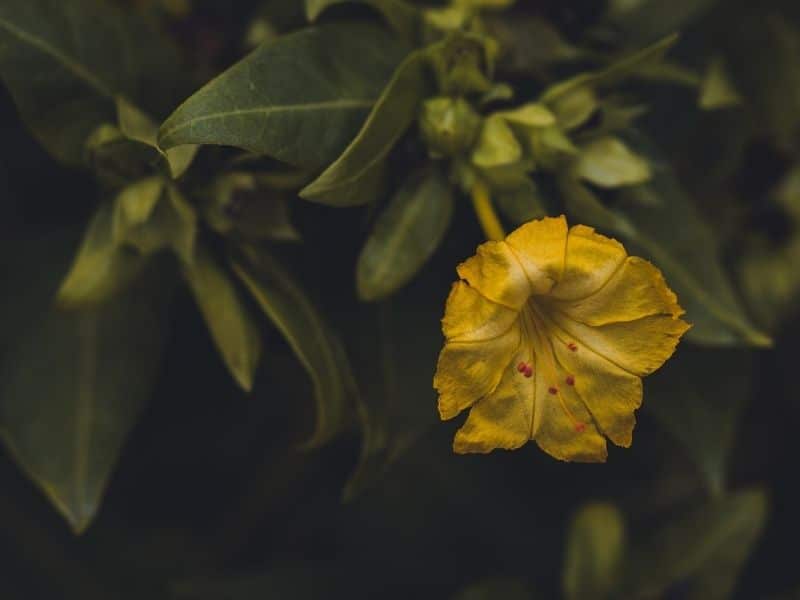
{"x":178,"y":270}
{"x":299,"y":99}
{"x":405,"y":235}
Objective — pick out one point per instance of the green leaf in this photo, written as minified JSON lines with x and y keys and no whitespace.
{"x":704,"y":549}
{"x":233,"y":328}
{"x":405,"y":235}
{"x":312,"y":341}
{"x":497,"y":145}
{"x":615,"y":72}
{"x":151,"y":215}
{"x":64,"y":63}
{"x":101,"y":268}
{"x":248,"y":205}
{"x":71,"y":391}
{"x":351,"y":179}
{"x":402,"y":17}
{"x":660,"y":222}
{"x":496,"y":588}
{"x":522,"y":203}
{"x":608,"y":162}
{"x":698,"y":396}
{"x":595,"y":550}
{"x":717,"y":90}
{"x":299,"y":99}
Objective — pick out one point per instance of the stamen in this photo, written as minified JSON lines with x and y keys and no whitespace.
{"x":572,"y":346}
{"x":521,"y":367}
{"x":553,"y":390}
{"x":570,"y":380}
{"x":528,"y":371}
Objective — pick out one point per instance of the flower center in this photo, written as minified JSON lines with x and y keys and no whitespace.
{"x":540,"y":339}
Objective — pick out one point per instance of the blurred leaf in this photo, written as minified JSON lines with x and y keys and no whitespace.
{"x":717,"y":90}
{"x":529,"y":43}
{"x":71,"y":391}
{"x":659,"y":221}
{"x":646,"y":20}
{"x":235,"y":331}
{"x":405,"y":235}
{"x":699,"y":396}
{"x":64,"y":63}
{"x":101,"y":268}
{"x":497,"y":145}
{"x":299,"y":99}
{"x":607,"y":162}
{"x":351,"y":179}
{"x":398,"y":342}
{"x":150,"y":215}
{"x":247,"y":204}
{"x":612,"y":74}
{"x":764,"y":65}
{"x":522,"y":203}
{"x":703,"y":549}
{"x":595,"y":550}
{"x":315,"y":346}
{"x":403,"y":17}
{"x":497,"y":588}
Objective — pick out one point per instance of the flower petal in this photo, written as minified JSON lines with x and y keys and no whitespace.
{"x":539,"y":247}
{"x":496,"y":273}
{"x":562,"y":426}
{"x":503,"y":418}
{"x":591,"y":259}
{"x":468,"y":371}
{"x":470,"y":317}
{"x":610,"y":393}
{"x":635,"y":290}
{"x":640,"y":347}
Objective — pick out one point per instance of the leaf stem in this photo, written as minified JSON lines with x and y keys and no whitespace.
{"x":484,"y":210}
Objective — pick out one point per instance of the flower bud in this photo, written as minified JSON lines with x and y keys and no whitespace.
{"x":448,"y":125}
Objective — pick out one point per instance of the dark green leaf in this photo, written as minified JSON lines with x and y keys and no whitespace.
{"x":64,"y":62}
{"x":595,"y":550}
{"x":403,"y":17}
{"x":233,"y":328}
{"x":70,"y":392}
{"x":704,"y":550}
{"x":351,"y":179}
{"x":699,"y":396}
{"x":405,"y":235}
{"x":300,"y":99}
{"x":315,"y":346}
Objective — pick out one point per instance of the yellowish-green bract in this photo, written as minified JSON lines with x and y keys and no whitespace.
{"x":548,"y":334}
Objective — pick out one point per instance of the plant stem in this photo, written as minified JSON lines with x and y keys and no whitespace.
{"x":485,"y":212}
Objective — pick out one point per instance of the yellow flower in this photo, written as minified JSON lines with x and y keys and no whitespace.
{"x":548,"y":334}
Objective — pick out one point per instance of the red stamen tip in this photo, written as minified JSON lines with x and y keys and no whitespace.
{"x":521,"y":367}
{"x":553,"y":390}
{"x":572,"y":346}
{"x":528,"y":371}
{"x":570,"y":380}
{"x":580,"y":427}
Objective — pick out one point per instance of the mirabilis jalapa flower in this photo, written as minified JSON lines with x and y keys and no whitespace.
{"x":548,"y":334}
